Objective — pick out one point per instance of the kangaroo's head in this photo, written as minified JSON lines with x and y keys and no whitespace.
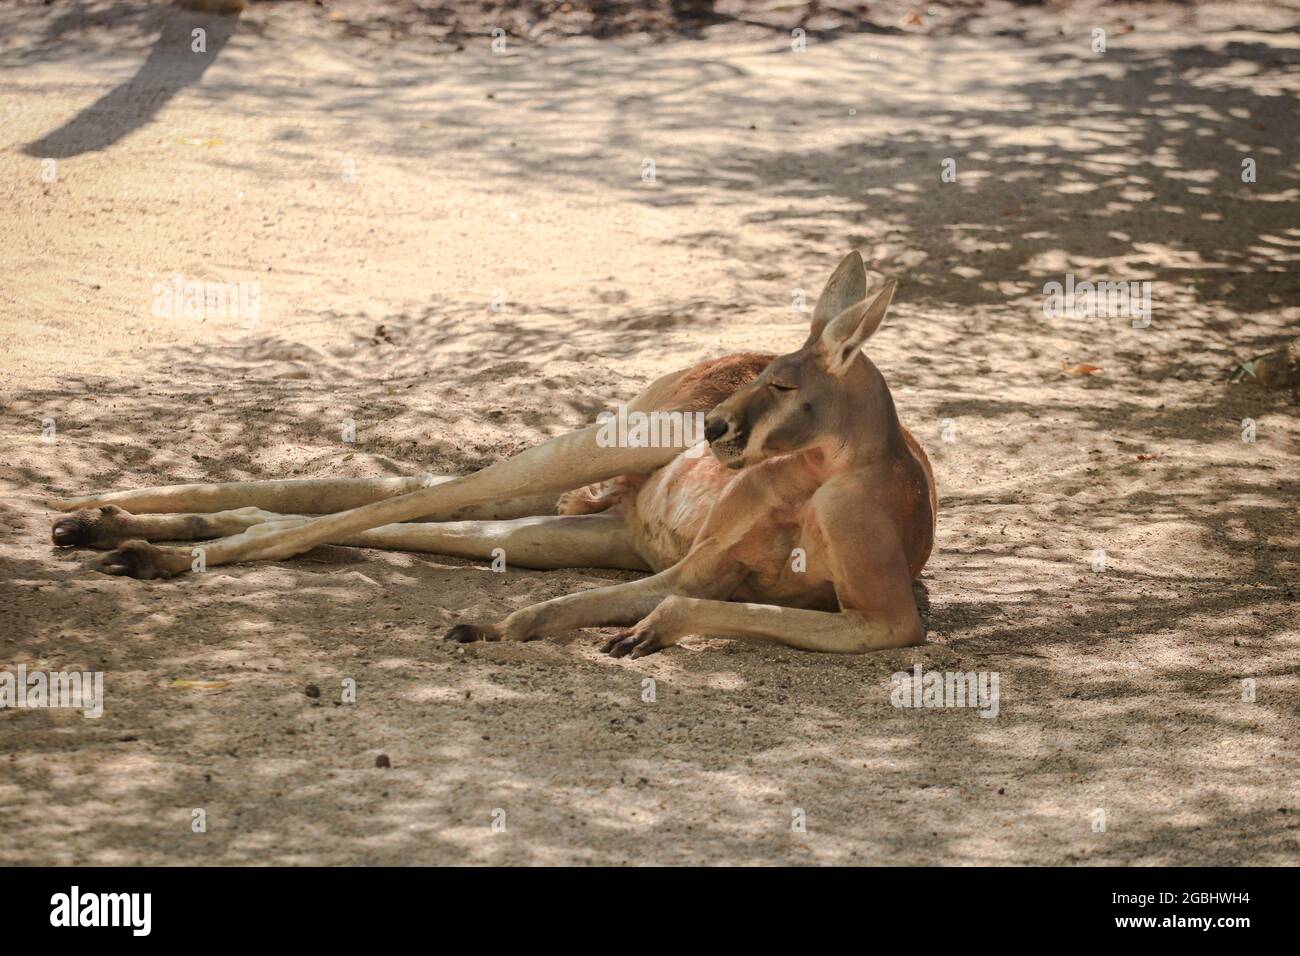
{"x":808,"y":397}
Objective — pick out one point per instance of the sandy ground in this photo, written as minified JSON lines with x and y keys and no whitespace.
{"x":517,"y":178}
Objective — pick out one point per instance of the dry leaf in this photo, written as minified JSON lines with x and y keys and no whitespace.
{"x":200,"y":684}
{"x":1082,"y":368}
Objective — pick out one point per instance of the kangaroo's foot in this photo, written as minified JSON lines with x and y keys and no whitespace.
{"x":140,"y":559}
{"x":468,"y":633}
{"x":105,"y":527}
{"x":108,"y":526}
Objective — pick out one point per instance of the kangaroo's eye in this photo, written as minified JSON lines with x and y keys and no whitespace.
{"x":782,"y":388}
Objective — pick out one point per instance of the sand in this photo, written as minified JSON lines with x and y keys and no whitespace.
{"x":457,"y":251}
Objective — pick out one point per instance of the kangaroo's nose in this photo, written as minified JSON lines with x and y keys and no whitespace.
{"x":715,"y":429}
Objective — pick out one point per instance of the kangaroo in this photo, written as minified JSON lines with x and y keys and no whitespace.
{"x":805,"y":525}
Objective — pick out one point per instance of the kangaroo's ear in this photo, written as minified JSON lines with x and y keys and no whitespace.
{"x":845,"y":333}
{"x":847,"y":285}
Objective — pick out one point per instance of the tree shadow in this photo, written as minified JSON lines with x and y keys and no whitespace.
{"x":1121,"y":689}
{"x":1105,"y":141}
{"x":172,"y":65}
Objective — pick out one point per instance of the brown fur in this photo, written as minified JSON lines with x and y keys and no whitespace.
{"x":705,"y":386}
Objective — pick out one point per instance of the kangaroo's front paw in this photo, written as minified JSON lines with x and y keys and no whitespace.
{"x":140,"y":559}
{"x":641,"y":640}
{"x":468,"y":633}
{"x":662,"y":627}
{"x":105,"y":527}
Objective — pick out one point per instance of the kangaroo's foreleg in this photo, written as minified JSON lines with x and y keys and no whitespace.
{"x":845,"y":632}
{"x":873,"y":585}
{"x":561,"y":464}
{"x":601,"y":607}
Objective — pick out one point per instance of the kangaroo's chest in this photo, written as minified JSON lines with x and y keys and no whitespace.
{"x":669,"y":509}
{"x":779,"y":544}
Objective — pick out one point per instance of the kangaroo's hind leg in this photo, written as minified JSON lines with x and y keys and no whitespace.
{"x":283,"y":496}
{"x":543,"y":542}
{"x":109,"y":526}
{"x":250,"y":503}
{"x":562,"y":463}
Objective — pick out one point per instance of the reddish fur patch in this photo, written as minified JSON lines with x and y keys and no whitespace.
{"x":915,"y":448}
{"x":710,"y":383}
